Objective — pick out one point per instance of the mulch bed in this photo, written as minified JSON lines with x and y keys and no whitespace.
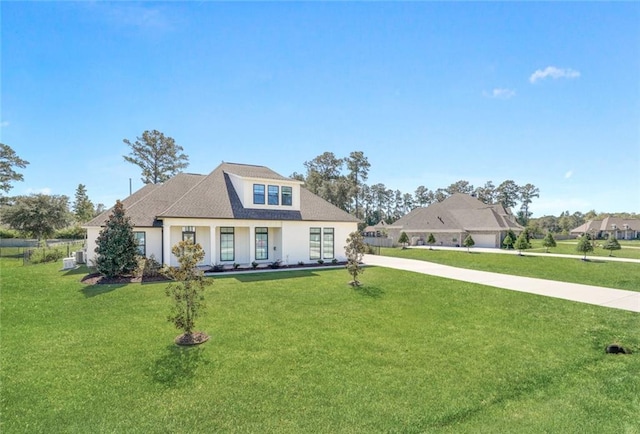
{"x":99,"y":279}
{"x":195,"y":338}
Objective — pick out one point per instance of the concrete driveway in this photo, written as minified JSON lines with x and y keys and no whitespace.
{"x":606,"y":297}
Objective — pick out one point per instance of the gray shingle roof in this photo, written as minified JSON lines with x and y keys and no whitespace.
{"x":213,"y":196}
{"x":606,"y":225}
{"x":459,"y":212}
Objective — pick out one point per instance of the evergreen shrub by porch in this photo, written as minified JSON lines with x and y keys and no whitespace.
{"x":116,"y":245}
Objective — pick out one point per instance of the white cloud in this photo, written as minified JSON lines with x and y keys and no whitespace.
{"x":500,"y":93}
{"x":553,"y":72}
{"x":568,"y":175}
{"x":4,"y":124}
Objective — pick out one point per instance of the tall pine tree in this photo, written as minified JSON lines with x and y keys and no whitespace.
{"x":83,"y":209}
{"x":116,"y":245}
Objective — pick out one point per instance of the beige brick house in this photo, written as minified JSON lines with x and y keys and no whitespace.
{"x":453,"y":219}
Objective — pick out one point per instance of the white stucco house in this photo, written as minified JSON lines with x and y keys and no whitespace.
{"x":238,"y":213}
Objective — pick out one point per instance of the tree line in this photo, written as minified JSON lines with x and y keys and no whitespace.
{"x":341,"y":181}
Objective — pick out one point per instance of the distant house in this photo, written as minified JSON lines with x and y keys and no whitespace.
{"x":239,"y":214}
{"x":453,"y":219}
{"x":377,"y":230}
{"x":622,"y":229}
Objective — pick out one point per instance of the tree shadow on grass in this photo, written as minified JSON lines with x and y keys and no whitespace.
{"x":593,"y":261}
{"x":369,"y":291}
{"x":94,"y":290}
{"x":178,"y":366}
{"x":76,"y":270}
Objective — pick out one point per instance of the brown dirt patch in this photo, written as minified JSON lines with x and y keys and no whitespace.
{"x":99,"y":279}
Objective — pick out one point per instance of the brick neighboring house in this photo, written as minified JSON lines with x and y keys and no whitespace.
{"x":238,"y":213}
{"x":623,"y":229}
{"x":451,"y":220}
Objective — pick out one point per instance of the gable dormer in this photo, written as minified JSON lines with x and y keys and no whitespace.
{"x":275,"y":193}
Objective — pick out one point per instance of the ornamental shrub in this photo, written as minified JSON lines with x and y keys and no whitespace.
{"x":116,"y":245}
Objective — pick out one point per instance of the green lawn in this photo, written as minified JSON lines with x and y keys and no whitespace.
{"x":295,"y":352}
{"x":630,"y":249}
{"x":598,"y":272}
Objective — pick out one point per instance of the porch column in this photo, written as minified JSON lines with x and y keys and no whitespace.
{"x":252,"y":243}
{"x":212,"y":243}
{"x":166,"y":244}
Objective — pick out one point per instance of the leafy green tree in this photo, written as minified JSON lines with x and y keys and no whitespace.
{"x":354,"y":251}
{"x":522,"y":243}
{"x":431,"y":240}
{"x":487,"y":193}
{"x":468,"y":242}
{"x":187,"y":288}
{"x":83,"y":209}
{"x":527,"y":193}
{"x":508,"y":194}
{"x":440,"y":195}
{"x":460,"y":186}
{"x":116,"y":245}
{"x":404,"y":239}
{"x":584,"y":246}
{"x":508,"y":241}
{"x":548,"y":241}
{"x":39,"y":215}
{"x":612,"y":244}
{"x":8,"y":160}
{"x":423,"y":196}
{"x":157,"y":155}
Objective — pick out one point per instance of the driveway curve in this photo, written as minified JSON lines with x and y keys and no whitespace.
{"x":600,"y":296}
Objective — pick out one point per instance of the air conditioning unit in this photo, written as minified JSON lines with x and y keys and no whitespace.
{"x":81,"y":257}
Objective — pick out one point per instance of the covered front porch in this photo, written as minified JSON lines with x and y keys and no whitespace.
{"x":226,"y":242}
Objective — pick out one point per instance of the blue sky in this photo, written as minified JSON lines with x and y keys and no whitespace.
{"x":544,"y":93}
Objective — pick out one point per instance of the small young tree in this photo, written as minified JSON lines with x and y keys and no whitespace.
{"x":431,"y":240}
{"x":512,"y":235}
{"x":404,"y":239}
{"x":354,"y":251}
{"x":116,"y":245}
{"x":468,"y":242}
{"x":508,"y":242}
{"x":521,"y":242}
{"x":548,"y":241}
{"x":612,"y":244}
{"x":584,"y":246}
{"x":187,"y":291}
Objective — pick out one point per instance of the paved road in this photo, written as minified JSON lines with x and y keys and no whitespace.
{"x":607,"y":297}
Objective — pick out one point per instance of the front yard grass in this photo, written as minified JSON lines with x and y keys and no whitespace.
{"x":302,"y":351}
{"x":598,"y":272}
{"x":630,"y":249}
